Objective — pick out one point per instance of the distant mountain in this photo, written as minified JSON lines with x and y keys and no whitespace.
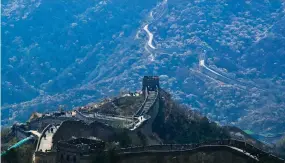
{"x":222,"y":58}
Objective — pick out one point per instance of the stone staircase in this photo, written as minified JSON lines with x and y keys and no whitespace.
{"x":150,"y":100}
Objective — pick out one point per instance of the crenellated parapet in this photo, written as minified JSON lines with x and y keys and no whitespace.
{"x":44,"y":152}
{"x":144,"y":115}
{"x":151,"y":83}
{"x":237,"y":147}
{"x":42,"y":122}
{"x":111,"y":120}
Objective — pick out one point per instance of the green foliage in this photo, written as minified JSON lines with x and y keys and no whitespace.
{"x":181,"y":125}
{"x":10,"y":157}
{"x":23,"y":154}
{"x":5,"y":131}
{"x":281,"y":146}
{"x":5,"y":135}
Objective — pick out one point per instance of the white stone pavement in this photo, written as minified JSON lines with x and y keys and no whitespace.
{"x":46,"y":141}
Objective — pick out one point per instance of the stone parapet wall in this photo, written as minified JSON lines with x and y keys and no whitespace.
{"x":143,"y":117}
{"x":215,"y":155}
{"x":114,"y":121}
{"x":78,"y":129}
{"x":151,"y":112}
{"x":45,"y":157}
{"x":83,"y":118}
{"x":42,"y":122}
{"x":138,"y":112}
{"x":239,"y":146}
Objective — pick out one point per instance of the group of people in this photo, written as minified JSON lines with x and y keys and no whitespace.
{"x":50,"y":130}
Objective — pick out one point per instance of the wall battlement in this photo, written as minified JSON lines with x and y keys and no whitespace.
{"x":150,"y":83}
{"x":84,"y":125}
{"x":144,"y":115}
{"x":236,"y":146}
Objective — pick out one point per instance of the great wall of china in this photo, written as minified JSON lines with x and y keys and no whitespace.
{"x":142,"y":120}
{"x":237,"y":147}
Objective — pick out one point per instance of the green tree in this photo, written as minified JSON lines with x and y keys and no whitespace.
{"x":10,"y":157}
{"x":281,"y":146}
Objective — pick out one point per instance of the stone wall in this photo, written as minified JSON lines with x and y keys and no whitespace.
{"x":69,"y":129}
{"x":45,"y":157}
{"x":236,"y":147}
{"x":41,"y":123}
{"x":114,"y":121}
{"x":74,"y":150}
{"x":220,"y":156}
{"x":83,"y":118}
{"x":146,"y":128}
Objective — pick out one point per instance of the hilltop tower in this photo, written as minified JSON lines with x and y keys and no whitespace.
{"x":150,"y":83}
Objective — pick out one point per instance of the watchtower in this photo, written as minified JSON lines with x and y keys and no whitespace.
{"x":151,"y":83}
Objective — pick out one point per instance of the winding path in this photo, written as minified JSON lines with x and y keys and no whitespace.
{"x":150,"y":37}
{"x":156,"y":12}
{"x":202,"y":64}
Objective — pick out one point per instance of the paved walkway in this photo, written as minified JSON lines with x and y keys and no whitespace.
{"x":246,"y":153}
{"x":141,"y":120}
{"x":102,"y":116}
{"x":150,"y":100}
{"x":46,"y":142}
